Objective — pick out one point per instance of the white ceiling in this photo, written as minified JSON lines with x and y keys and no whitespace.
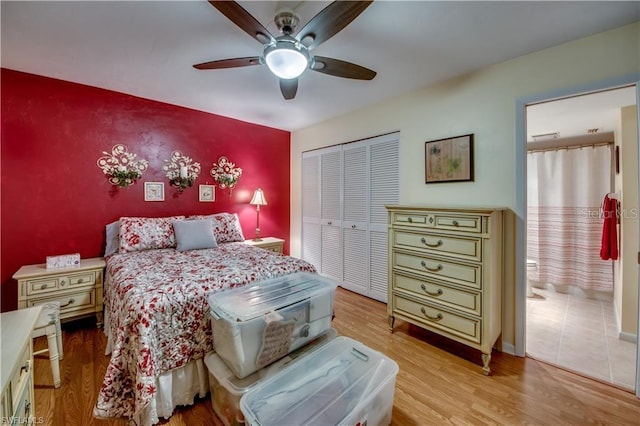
{"x":148,"y":48}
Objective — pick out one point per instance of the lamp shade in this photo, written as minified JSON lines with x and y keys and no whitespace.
{"x":287,"y":58}
{"x":258,"y":198}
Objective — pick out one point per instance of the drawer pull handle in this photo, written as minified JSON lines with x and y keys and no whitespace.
{"x":410,"y":220}
{"x":79,"y":280}
{"x":43,"y":286}
{"x":436,"y":269}
{"x":436,"y":318}
{"x":455,"y":223}
{"x":430,"y":293}
{"x":70,"y":302}
{"x":437,"y":244}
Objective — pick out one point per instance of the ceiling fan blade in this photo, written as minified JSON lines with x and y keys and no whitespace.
{"x":228,"y":63}
{"x":289,"y":87}
{"x":244,"y":20}
{"x":330,"y":21}
{"x":341,"y":68}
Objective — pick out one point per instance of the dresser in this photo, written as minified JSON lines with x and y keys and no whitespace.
{"x":445,"y":272}
{"x":273,"y":244}
{"x":78,"y":288}
{"x":16,"y":405}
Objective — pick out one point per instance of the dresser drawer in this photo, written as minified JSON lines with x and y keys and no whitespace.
{"x":459,"y":273}
{"x":69,"y":302}
{"x":452,"y":222}
{"x":466,"y":248}
{"x":465,"y":300}
{"x":51,"y":283}
{"x":458,"y":325}
{"x":412,"y":219}
{"x":19,"y":376}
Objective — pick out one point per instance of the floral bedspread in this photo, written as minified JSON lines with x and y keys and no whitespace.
{"x":156,"y":301}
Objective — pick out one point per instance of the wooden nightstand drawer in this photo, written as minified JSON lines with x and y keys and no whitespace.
{"x":82,"y":279}
{"x":42,"y":286}
{"x":273,"y":244}
{"x":20,"y":375}
{"x":458,"y":223}
{"x":70,"y":302}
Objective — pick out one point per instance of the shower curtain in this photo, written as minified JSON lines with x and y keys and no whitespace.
{"x":565,"y":189}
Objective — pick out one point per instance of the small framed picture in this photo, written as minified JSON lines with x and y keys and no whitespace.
{"x":207,"y":193}
{"x":449,"y":160}
{"x":154,"y":191}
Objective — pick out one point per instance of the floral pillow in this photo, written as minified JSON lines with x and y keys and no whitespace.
{"x":226,"y":226}
{"x":144,"y":233}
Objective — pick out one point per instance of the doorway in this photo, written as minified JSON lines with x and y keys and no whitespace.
{"x":569,"y":322}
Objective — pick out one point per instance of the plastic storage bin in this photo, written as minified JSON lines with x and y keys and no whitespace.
{"x":226,"y":389}
{"x":342,"y":383}
{"x":258,"y":324}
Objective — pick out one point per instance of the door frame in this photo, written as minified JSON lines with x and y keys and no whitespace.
{"x":521,"y":195}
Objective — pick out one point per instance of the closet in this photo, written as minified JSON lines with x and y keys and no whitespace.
{"x":344,"y":221}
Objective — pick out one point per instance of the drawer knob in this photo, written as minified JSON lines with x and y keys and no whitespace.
{"x":455,"y":223}
{"x":410,"y":220}
{"x":436,"y":269}
{"x":436,"y":318}
{"x":79,"y":280}
{"x":353,"y":227}
{"x":437,"y":244}
{"x":43,"y":286}
{"x":430,"y":293}
{"x":329,"y":223}
{"x":70,"y":302}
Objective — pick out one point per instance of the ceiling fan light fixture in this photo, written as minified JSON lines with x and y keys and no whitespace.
{"x":286,"y":59}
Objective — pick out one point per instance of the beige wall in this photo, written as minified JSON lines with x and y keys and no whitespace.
{"x":483,"y":103}
{"x":626,"y":288}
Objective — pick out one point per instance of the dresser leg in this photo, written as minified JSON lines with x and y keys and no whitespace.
{"x":99,"y":317}
{"x":486,"y":359}
{"x":391,"y":320}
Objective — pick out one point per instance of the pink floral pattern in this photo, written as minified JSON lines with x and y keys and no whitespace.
{"x":226,"y":227}
{"x":157,"y":305}
{"x":145,"y":233}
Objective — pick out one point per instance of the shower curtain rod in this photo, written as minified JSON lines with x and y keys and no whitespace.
{"x":594,"y":140}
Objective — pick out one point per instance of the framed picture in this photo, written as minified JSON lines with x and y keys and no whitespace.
{"x":154,"y":191}
{"x":449,"y":160}
{"x":207,"y":193}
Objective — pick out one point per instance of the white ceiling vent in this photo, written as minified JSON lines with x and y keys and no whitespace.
{"x":545,"y":136}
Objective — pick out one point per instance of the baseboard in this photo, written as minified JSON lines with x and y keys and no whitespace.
{"x":508,"y":348}
{"x":628,"y":337}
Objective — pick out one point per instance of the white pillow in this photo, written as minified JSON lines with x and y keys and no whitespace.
{"x":113,"y":238}
{"x":194,"y":234}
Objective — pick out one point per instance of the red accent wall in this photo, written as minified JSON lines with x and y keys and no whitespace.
{"x":54,"y":198}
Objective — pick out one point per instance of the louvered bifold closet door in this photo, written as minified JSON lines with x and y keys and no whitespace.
{"x":331,"y":202}
{"x":355,"y":213}
{"x":384,"y":189}
{"x":311,"y":236}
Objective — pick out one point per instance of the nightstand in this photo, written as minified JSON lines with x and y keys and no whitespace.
{"x":268,"y":243}
{"x":78,"y":288}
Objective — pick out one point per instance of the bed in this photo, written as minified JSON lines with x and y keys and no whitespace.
{"x":157,"y":313}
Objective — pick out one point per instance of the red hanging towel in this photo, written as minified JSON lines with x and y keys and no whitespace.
{"x":609,"y":247}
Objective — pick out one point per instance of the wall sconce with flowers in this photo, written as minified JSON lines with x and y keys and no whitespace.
{"x":226,"y":174}
{"x":121,"y":166}
{"x":181,"y":170}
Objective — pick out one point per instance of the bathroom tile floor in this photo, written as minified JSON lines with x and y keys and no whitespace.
{"x":579,"y":334}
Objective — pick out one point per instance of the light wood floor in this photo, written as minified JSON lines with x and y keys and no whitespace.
{"x":433,"y":387}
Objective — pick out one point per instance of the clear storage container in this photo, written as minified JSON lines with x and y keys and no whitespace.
{"x":260,"y":323}
{"x":342,"y":383}
{"x":226,"y":389}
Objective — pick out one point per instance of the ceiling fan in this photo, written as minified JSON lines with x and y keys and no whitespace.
{"x":288,"y":55}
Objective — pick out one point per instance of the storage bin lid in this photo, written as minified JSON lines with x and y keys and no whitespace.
{"x":322,"y":388}
{"x":253,"y":300}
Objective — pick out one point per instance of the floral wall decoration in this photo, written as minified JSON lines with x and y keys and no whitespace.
{"x":181,"y":170}
{"x":121,"y":166}
{"x":226,"y":174}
